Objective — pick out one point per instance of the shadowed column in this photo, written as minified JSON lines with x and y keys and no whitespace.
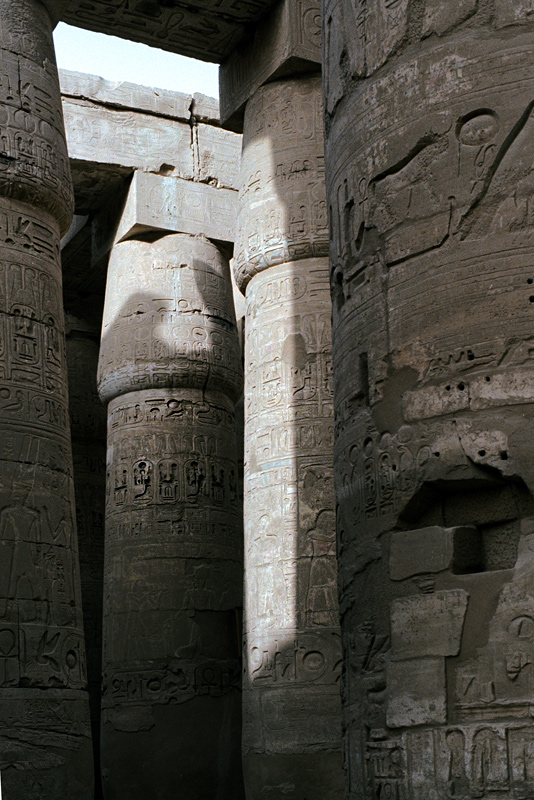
{"x":429,"y":170}
{"x":45,"y":740}
{"x":170,"y":369}
{"x":292,"y":723}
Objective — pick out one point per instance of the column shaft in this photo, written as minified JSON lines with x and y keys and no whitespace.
{"x":292,"y":723}
{"x":170,"y":366}
{"x":45,"y":741}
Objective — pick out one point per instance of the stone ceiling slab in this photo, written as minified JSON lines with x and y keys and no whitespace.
{"x":205,"y":29}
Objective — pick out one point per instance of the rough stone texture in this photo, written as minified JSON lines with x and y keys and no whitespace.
{"x":45,"y":737}
{"x":428,"y":162}
{"x":173,"y":568}
{"x":180,"y":206}
{"x":88,"y":435}
{"x":291,"y":728}
{"x":287,"y":41}
{"x":207,"y":29}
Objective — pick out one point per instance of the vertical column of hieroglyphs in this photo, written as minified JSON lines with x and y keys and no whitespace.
{"x":429,"y":171}
{"x":45,"y":747}
{"x":88,"y":435}
{"x":292,"y":728}
{"x":170,"y":369}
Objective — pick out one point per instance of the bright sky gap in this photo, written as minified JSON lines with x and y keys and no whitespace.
{"x":121,"y":60}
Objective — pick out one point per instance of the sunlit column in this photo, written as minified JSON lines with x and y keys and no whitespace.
{"x":292,"y":725}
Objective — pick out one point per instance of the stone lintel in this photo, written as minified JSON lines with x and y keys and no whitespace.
{"x":178,"y":206}
{"x":285,"y":43}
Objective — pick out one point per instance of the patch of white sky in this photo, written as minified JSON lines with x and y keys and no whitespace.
{"x":121,"y":60}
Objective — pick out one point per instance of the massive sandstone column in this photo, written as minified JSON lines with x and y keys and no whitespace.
{"x":292,"y":717}
{"x":45,"y":743}
{"x":170,"y":370}
{"x":429,"y":164}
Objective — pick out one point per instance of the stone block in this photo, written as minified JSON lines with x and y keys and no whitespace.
{"x":123,"y":94}
{"x":104,"y":135}
{"x":218,"y":156}
{"x":434,"y":549}
{"x":288,"y":41}
{"x":428,"y":625}
{"x":179,"y":206}
{"x":416,"y":692}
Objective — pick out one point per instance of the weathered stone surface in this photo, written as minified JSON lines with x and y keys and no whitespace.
{"x":428,"y":625}
{"x":171,"y":204}
{"x":173,"y":568}
{"x":428,"y":170}
{"x":34,"y":166}
{"x":434,"y":549}
{"x":282,"y":211}
{"x":208,"y":30}
{"x":416,"y":692}
{"x":287,"y":41}
{"x":291,"y":645}
{"x":100,"y":134}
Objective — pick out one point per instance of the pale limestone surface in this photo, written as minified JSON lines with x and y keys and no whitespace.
{"x":170,"y":367}
{"x":291,"y":727}
{"x":45,"y":735}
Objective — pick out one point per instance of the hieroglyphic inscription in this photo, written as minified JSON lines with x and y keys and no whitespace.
{"x":173,"y":563}
{"x":282,"y":207}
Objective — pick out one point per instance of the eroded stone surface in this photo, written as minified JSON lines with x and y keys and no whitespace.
{"x":282,"y":211}
{"x":155,"y":202}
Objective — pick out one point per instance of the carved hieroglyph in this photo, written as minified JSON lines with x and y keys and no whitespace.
{"x":45,"y":741}
{"x":292,"y":730}
{"x":170,"y":366}
{"x":429,"y":165}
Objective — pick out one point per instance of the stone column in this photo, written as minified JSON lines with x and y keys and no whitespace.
{"x":45,"y":742}
{"x":292,"y":718}
{"x":429,"y":171}
{"x":170,"y":370}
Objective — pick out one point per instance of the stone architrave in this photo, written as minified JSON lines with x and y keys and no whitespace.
{"x":171,"y":204}
{"x":292,"y":714}
{"x":170,"y":369}
{"x":45,"y":737}
{"x":429,"y":182}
